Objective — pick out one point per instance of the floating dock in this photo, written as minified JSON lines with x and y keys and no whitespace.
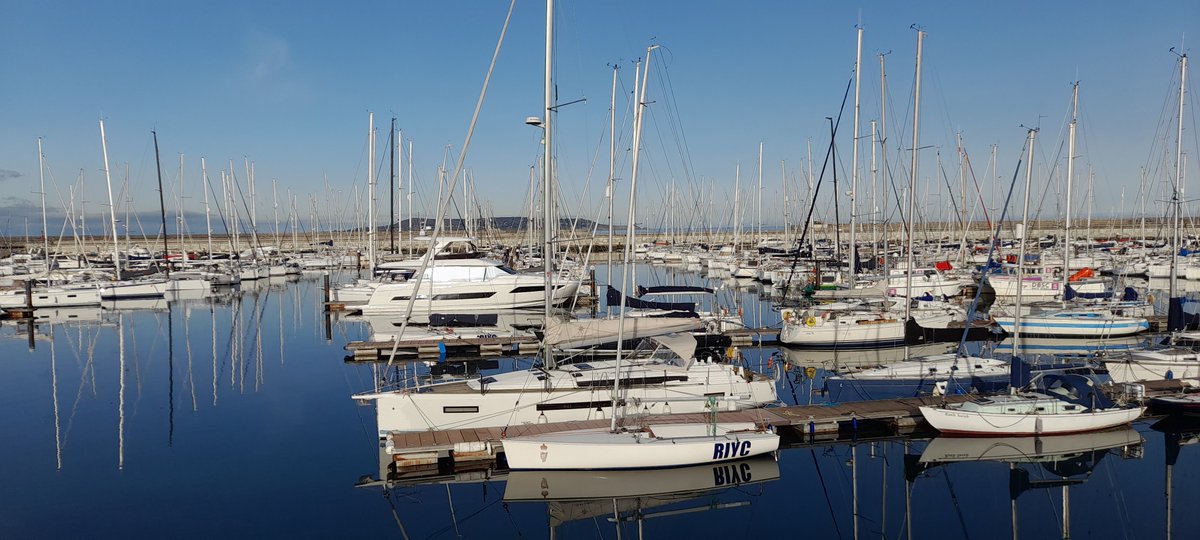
{"x":797,"y":423}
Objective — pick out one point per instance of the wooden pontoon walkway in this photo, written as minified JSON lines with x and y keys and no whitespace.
{"x":795,"y":422}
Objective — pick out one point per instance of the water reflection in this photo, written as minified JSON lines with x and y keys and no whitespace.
{"x":630,"y":498}
{"x":1079,"y":347}
{"x":1034,"y":464}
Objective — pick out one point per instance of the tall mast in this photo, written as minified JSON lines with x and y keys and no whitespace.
{"x":912,"y":179}
{"x":275,"y":208}
{"x":207,"y":213}
{"x":548,"y":163}
{"x":809,"y":226}
{"x":162,"y":205}
{"x":410,"y":193}
{"x":1070,"y":180}
{"x":45,"y":224}
{"x":610,"y":190}
{"x":371,"y":193}
{"x":760,"y":149}
{"x":883,"y":143}
{"x":392,"y":188}
{"x":786,"y":207}
{"x":854,"y":165}
{"x":1175,"y":310}
{"x":875,"y":215}
{"x":1021,"y":248}
{"x":737,"y":218}
{"x":112,"y":208}
{"x":640,"y":106}
{"x":179,"y":220}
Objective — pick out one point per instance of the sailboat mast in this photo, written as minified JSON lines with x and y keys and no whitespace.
{"x":45,"y":225}
{"x":207,"y":212}
{"x":639,"y":112}
{"x":760,"y":150}
{"x":410,"y":195}
{"x":854,"y":165}
{"x":737,"y":218}
{"x":1066,"y":271}
{"x":371,"y":192}
{"x":162,"y":205}
{"x":391,"y":188}
{"x":1173,"y":310}
{"x":875,"y":215}
{"x":912,"y":179}
{"x":548,"y":162}
{"x":112,"y":208}
{"x":1021,"y":248}
{"x":610,"y":191}
{"x":883,"y":146}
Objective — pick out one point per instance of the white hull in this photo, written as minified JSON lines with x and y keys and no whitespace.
{"x":505,"y":292}
{"x":133,"y":289}
{"x":1075,"y":325}
{"x":951,"y":420}
{"x":1153,"y":366}
{"x":52,"y":297}
{"x":520,"y":397}
{"x":658,"y":446}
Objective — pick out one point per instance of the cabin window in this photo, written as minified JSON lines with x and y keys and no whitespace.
{"x":71,"y":296}
{"x":463,"y":296}
{"x":453,"y":409}
{"x":1041,"y":408}
{"x":1010,"y":409}
{"x":395,"y":298}
{"x":1069,"y":407}
{"x":528,"y":288}
{"x":487,"y":380}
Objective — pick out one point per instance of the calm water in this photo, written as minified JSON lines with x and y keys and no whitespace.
{"x":230,"y":416}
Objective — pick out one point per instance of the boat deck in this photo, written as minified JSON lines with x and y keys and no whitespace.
{"x":468,"y":347}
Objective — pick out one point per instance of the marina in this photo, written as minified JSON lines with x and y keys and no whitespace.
{"x":600,"y":275}
{"x":419,"y":466}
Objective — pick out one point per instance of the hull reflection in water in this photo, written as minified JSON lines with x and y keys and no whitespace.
{"x":623,"y":496}
{"x":1026,"y":449}
{"x":1071,"y":347}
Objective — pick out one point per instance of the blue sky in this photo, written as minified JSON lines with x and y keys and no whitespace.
{"x":288,"y":85}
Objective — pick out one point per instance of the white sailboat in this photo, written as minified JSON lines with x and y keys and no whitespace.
{"x":1071,"y":403}
{"x":1067,"y":320}
{"x":1026,"y":414}
{"x":1172,"y":362}
{"x":638,"y":447}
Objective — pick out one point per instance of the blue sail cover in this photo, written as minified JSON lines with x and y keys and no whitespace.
{"x":613,"y":297}
{"x":1076,"y":389}
{"x":672,"y":289}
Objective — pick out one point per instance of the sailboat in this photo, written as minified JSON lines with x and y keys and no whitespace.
{"x":1070,"y":403}
{"x":1066,"y":320}
{"x":642,"y":446}
{"x":1174,"y":362}
{"x":48,"y":296}
{"x":667,"y":378}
